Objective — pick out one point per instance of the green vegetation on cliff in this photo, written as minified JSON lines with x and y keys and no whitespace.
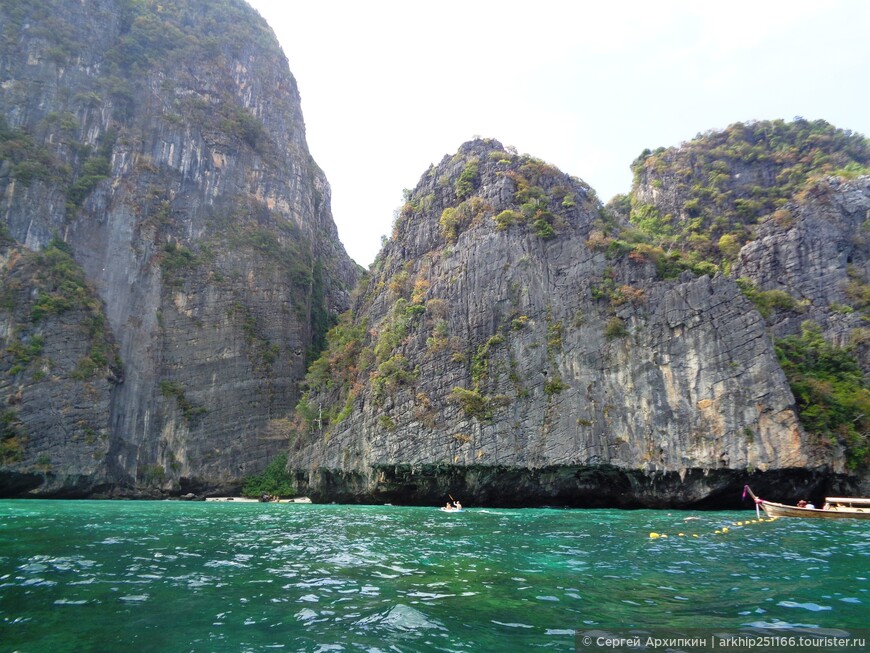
{"x":690,"y":213}
{"x":694,"y":207}
{"x":156,"y":138}
{"x":833,"y":398}
{"x":29,"y":161}
{"x":58,"y":287}
{"x":335,"y":375}
{"x":274,"y":480}
{"x":542,"y":195}
{"x":151,"y":36}
{"x":191,"y":411}
{"x":55,"y":339}
{"x":12,"y":437}
{"x":706,"y":194}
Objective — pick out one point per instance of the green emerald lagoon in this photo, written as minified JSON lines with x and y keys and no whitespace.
{"x":203,"y":577}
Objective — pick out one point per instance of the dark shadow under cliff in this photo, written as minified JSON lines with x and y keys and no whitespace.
{"x":566,"y":486}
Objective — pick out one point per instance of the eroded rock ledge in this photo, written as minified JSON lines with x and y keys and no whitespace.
{"x":571,"y":486}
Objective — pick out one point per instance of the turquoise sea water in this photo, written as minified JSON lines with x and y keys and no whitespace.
{"x":174,"y":576}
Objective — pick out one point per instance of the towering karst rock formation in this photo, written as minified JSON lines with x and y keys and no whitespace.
{"x":168,"y":259}
{"x":169,"y":268}
{"x":519,"y":344}
{"x":792,"y":193}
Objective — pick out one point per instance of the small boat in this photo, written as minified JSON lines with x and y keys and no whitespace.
{"x":834,"y":508}
{"x":443,"y":509}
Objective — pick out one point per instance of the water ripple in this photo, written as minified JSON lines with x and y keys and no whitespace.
{"x":256,"y":577}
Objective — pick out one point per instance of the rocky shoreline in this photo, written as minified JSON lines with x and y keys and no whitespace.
{"x":566,"y":486}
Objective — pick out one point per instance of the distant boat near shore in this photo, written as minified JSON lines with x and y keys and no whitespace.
{"x":834,"y":508}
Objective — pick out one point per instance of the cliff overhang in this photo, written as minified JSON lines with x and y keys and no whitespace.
{"x":565,"y":486}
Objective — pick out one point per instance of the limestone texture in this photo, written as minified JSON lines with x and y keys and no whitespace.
{"x":177,"y":311}
{"x":163,"y":145}
{"x":505,"y":350}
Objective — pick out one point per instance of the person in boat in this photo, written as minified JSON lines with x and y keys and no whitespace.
{"x":448,"y":507}
{"x":802,"y":504}
{"x":457,"y":505}
{"x":810,"y":506}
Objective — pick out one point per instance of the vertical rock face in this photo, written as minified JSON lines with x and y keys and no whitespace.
{"x":506,"y":348}
{"x":164,"y":144}
{"x":169,"y":267}
{"x":779,"y":205}
{"x":782,"y":208}
{"x":818,"y":252}
{"x":59,"y":366}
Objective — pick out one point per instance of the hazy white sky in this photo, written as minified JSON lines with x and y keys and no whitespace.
{"x":389,"y":87}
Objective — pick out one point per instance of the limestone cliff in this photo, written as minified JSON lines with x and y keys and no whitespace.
{"x":817,"y":250}
{"x":169,"y":268}
{"x":161,"y":146}
{"x":508,"y":347}
{"x":778,"y":204}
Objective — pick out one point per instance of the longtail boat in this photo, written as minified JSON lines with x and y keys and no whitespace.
{"x":834,"y":508}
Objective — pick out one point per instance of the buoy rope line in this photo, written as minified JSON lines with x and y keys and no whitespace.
{"x":719,"y":531}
